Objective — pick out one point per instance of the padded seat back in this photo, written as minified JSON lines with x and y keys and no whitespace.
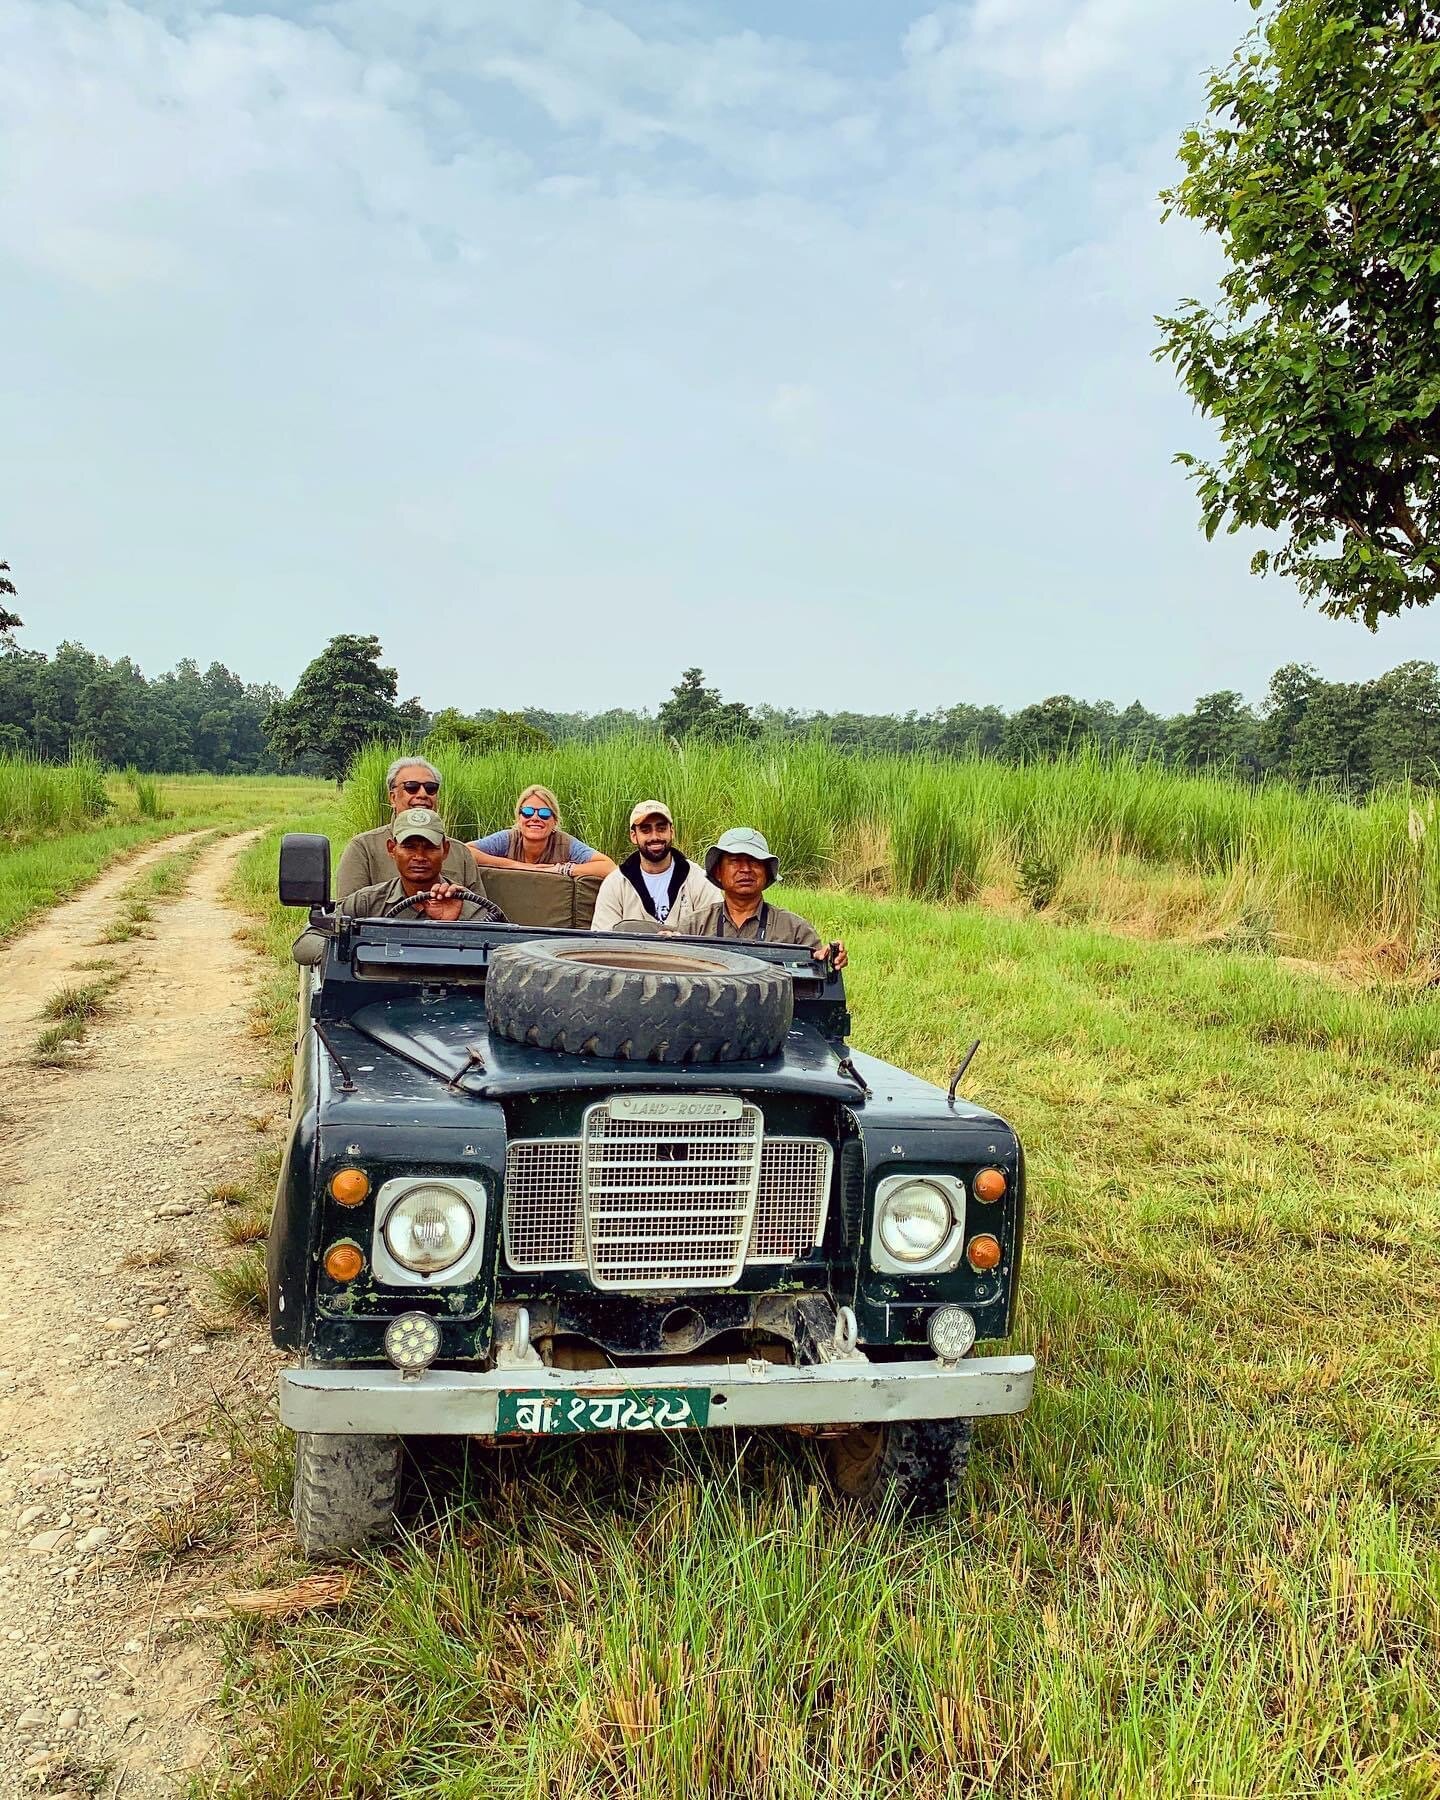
{"x":541,"y":898}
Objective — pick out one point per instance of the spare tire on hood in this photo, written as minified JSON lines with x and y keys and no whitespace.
{"x":646,"y":1002}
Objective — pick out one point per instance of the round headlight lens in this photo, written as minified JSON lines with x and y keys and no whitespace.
{"x":430,"y":1228}
{"x":915,"y":1221}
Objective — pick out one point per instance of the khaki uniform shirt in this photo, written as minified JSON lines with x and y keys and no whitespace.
{"x":365,"y":862}
{"x":368,"y":903}
{"x":771,"y":925}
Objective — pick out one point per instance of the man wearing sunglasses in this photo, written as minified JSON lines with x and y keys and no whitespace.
{"x":410,"y":781}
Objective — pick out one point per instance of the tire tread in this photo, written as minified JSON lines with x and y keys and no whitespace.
{"x":346,"y":1490}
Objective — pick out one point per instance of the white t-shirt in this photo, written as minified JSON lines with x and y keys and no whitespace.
{"x":659,"y":886}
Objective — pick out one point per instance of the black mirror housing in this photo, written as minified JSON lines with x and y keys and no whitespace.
{"x":304,"y":869}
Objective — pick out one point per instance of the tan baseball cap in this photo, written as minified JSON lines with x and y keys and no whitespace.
{"x":645,"y":809}
{"x":418,"y":821}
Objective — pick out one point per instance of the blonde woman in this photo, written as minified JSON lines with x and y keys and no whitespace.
{"x":537,"y":841}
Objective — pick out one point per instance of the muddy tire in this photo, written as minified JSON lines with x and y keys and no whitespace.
{"x":652,"y":1002}
{"x":917,"y":1465}
{"x":346,"y":1489}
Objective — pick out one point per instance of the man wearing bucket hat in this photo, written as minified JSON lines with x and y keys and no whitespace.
{"x":656,"y":885}
{"x":418,"y":847}
{"x":743,"y":865}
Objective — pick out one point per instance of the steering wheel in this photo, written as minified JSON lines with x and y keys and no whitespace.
{"x":490,"y":913}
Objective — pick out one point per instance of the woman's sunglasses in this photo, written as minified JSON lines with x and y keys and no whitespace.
{"x":536,"y":812}
{"x":421,"y":787}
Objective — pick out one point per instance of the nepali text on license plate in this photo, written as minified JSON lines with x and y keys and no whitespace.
{"x":535,"y":1413}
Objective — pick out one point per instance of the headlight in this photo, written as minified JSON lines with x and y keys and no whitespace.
{"x":915,"y":1220}
{"x":919,"y":1224}
{"x":431,"y":1228}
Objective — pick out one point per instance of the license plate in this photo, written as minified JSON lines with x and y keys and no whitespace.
{"x":530,"y":1412}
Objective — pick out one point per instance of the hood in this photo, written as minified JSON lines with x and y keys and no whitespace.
{"x":450,"y":1041}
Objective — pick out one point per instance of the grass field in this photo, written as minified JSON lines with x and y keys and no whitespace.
{"x":41,"y":866}
{"x":1206,"y":1562}
{"x":1113,"y":842}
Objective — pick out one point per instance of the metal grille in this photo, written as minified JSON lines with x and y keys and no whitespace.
{"x":545,"y":1218}
{"x":543,"y":1225}
{"x":669,"y":1203}
{"x":790,"y":1207}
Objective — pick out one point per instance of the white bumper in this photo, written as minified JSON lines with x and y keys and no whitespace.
{"x":454,"y":1402}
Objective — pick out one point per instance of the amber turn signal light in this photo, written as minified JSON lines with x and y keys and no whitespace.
{"x":343,"y":1261}
{"x":989,"y":1184}
{"x":349,"y":1186}
{"x":983,"y":1252}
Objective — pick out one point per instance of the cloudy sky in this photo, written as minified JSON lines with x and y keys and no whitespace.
{"x":564,"y":345}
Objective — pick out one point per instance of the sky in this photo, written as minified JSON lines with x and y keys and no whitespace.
{"x":566,"y":345}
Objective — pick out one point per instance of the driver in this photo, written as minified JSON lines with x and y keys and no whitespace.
{"x":418,"y":847}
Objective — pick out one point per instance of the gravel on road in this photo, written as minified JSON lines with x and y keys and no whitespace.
{"x":111,"y":1353}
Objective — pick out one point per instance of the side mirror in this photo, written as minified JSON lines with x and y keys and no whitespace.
{"x":304,"y":869}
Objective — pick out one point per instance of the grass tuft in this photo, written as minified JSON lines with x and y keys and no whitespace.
{"x":159,"y":1256}
{"x":230,"y":1193}
{"x":203,"y":1519}
{"x":239,"y":1285}
{"x":74,"y":1009}
{"x":247,"y":1225}
{"x":79,"y":1005}
{"x":52,"y":1048}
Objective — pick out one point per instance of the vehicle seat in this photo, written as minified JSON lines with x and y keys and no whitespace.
{"x":537,"y":897}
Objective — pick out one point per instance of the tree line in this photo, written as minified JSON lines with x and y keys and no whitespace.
{"x":1347,"y":735}
{"x":1351,"y":736}
{"x":183,"y":722}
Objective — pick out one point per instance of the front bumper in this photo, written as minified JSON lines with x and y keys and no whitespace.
{"x":455,"y":1402}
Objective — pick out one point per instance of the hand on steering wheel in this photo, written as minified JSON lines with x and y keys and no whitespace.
{"x":490,"y":913}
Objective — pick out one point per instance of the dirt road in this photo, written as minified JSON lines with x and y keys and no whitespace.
{"x":110,"y":1353}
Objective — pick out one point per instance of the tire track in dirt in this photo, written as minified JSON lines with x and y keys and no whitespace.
{"x":107,"y":1371}
{"x":38,"y":961}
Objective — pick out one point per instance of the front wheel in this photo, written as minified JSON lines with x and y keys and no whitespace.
{"x":346,"y":1490}
{"x":917,"y":1464}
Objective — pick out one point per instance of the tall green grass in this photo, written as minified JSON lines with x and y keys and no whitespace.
{"x":38,"y":797}
{"x":1328,"y":871}
{"x":146,"y":792}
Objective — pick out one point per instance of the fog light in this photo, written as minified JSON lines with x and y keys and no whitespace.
{"x":344,"y":1261}
{"x":989,"y":1185}
{"x":349,"y":1186}
{"x":952,"y":1332}
{"x":983,"y":1252}
{"x":412,"y":1342}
